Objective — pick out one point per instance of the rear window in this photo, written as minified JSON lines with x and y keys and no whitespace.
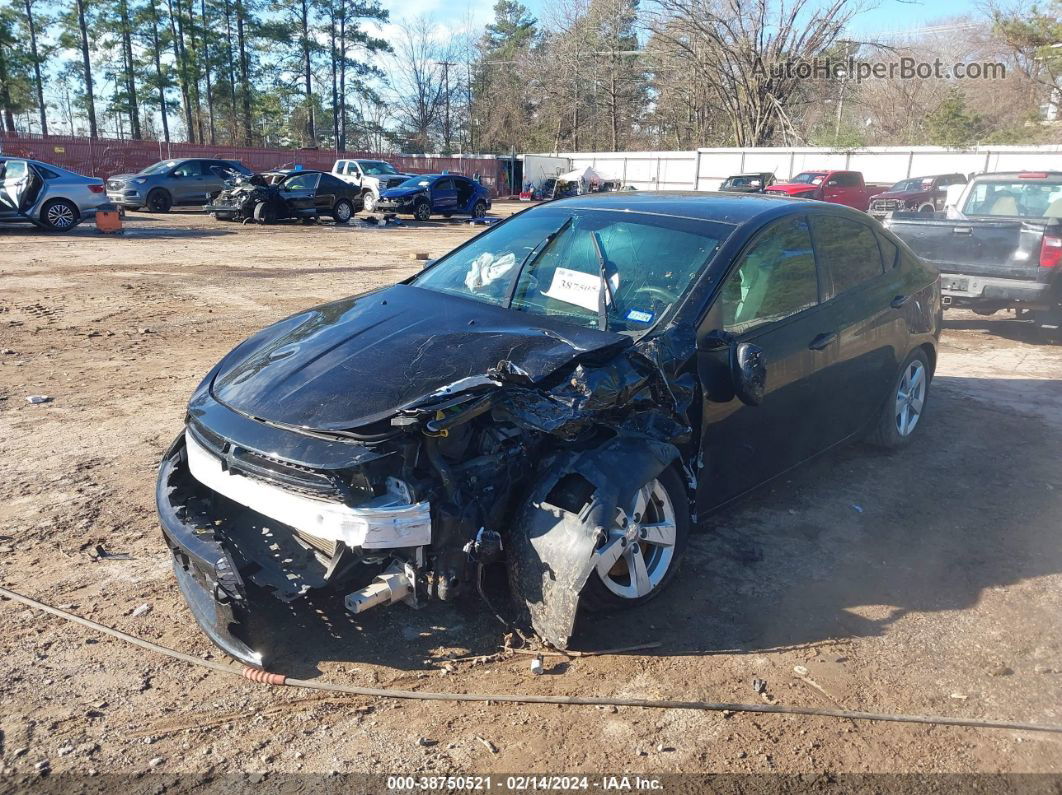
{"x":1015,"y":198}
{"x":848,"y":249}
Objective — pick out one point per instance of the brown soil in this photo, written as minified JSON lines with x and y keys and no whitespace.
{"x":929,"y":581}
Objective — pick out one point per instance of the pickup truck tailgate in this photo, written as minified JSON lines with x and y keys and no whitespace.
{"x":1003,"y":248}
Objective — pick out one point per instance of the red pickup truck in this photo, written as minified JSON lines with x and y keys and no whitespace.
{"x":839,"y":187}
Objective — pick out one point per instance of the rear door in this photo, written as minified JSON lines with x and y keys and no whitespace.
{"x":863,"y":310}
{"x":771,"y":298}
{"x":329,"y":189}
{"x":444,"y":196}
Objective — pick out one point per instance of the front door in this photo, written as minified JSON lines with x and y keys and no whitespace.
{"x":299,"y":192}
{"x":189,"y":183}
{"x":771,"y":299}
{"x":444,"y":196}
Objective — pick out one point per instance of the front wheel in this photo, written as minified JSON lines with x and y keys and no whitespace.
{"x":369,"y":201}
{"x":59,"y":215}
{"x":902,"y":413}
{"x":479,"y":209}
{"x":422,"y":212}
{"x":265,"y":213}
{"x":343,"y":211}
{"x":159,"y":201}
{"x":643,"y":549}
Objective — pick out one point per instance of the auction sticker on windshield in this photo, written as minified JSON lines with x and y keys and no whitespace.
{"x":578,"y":288}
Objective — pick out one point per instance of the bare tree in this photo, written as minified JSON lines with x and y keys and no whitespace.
{"x":417,"y":81}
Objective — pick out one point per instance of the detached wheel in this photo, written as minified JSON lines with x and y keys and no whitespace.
{"x":159,"y":201}
{"x":422,"y":211}
{"x":643,"y":548}
{"x":265,"y":213}
{"x":369,"y":201}
{"x":343,"y":211}
{"x":902,"y":413}
{"x":479,"y":209}
{"x":60,"y":215}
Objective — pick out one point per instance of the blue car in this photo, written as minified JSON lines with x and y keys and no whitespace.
{"x":436,"y":194}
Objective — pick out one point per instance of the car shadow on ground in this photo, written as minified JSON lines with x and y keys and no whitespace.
{"x":1008,"y":328}
{"x":840,"y":548}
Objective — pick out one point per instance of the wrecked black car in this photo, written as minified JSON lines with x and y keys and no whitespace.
{"x":276,"y":196}
{"x":566,"y":394}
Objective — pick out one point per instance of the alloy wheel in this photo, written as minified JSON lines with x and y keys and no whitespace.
{"x":60,"y":216}
{"x":635,"y":556}
{"x":910,"y":397}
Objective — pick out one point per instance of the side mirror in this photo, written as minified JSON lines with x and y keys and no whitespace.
{"x":748,"y":368}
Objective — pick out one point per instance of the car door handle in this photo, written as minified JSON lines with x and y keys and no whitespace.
{"x":962,"y":230}
{"x":899,"y":301}
{"x":822,"y":340}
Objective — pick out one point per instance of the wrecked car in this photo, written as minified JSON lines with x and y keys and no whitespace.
{"x":271,"y":197}
{"x":436,"y":194}
{"x":567,"y":394}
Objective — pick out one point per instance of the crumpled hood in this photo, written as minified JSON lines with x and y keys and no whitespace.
{"x":402,"y":193}
{"x":357,"y":361}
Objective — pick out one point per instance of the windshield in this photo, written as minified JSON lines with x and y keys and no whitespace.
{"x":376,"y":167}
{"x":1015,"y":198}
{"x":161,"y":167}
{"x":416,"y":182}
{"x":910,"y":185}
{"x":549,"y":261}
{"x":808,"y":178}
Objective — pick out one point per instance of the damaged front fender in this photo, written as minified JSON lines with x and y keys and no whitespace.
{"x":551,"y":546}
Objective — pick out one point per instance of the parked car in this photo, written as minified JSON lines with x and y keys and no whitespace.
{"x":836,"y":187}
{"x":372,"y":176}
{"x":561,"y":394}
{"x":748,"y":183}
{"x":45,"y":195}
{"x":1001,"y":246}
{"x":305,"y":195}
{"x":170,"y":183}
{"x":916,"y":194}
{"x":436,"y":194}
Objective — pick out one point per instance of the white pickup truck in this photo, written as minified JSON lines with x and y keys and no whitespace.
{"x":372,"y":176}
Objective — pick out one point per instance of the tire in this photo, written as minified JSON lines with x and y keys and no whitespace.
{"x":369,"y":201}
{"x":159,"y":201}
{"x":60,"y":215}
{"x":224,"y":216}
{"x":343,"y":211}
{"x":422,"y":211}
{"x":265,"y":213}
{"x":479,"y":209}
{"x":927,"y":208}
{"x":901,"y":415}
{"x":666,"y":499}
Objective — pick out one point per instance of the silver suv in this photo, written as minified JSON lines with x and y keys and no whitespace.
{"x":169,"y":183}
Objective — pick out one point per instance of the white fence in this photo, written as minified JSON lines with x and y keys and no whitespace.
{"x":705,"y":169}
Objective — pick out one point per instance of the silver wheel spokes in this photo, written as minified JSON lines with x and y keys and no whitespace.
{"x":910,"y":397}
{"x":343,"y":212}
{"x":637,"y":553}
{"x":60,"y":216}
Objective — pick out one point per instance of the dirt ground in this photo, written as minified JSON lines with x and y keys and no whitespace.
{"x":928,"y":581}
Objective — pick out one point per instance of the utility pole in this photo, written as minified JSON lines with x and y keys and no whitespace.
{"x":446,"y":87}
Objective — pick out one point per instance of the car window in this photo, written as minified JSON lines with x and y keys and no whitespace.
{"x":376,"y":168}
{"x":1025,"y":198}
{"x":189,"y":168}
{"x":890,"y":252}
{"x":16,"y":169}
{"x":443,"y":184}
{"x":300,"y":182}
{"x":848,"y":248}
{"x":554,"y":253}
{"x":416,"y":182}
{"x":775,"y":278}
{"x":330,"y":183}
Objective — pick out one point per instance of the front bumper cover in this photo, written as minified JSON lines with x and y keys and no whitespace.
{"x":205,"y":571}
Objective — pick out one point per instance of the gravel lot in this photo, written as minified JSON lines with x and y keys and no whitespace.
{"x":929,"y":581}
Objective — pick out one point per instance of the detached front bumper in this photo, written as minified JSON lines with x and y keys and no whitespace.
{"x":206,"y":573}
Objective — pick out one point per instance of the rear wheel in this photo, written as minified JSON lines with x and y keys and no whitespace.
{"x":902,"y":413}
{"x":59,"y":215}
{"x":422,"y":211}
{"x":159,"y":201}
{"x":343,"y":211}
{"x":643,"y":549}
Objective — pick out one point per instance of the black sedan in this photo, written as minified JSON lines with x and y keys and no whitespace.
{"x":565,"y":395}
{"x":306,"y":195}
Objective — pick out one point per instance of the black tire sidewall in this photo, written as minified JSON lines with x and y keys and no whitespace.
{"x":886,"y":434}
{"x":597,"y":597}
{"x":419,"y":211}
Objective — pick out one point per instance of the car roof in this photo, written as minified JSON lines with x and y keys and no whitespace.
{"x":731,"y":208}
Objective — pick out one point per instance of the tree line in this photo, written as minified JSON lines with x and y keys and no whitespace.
{"x":591,"y":75}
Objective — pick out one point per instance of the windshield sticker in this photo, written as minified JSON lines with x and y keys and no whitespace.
{"x":578,"y":288}
{"x":486,"y":269}
{"x":638,"y":316}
